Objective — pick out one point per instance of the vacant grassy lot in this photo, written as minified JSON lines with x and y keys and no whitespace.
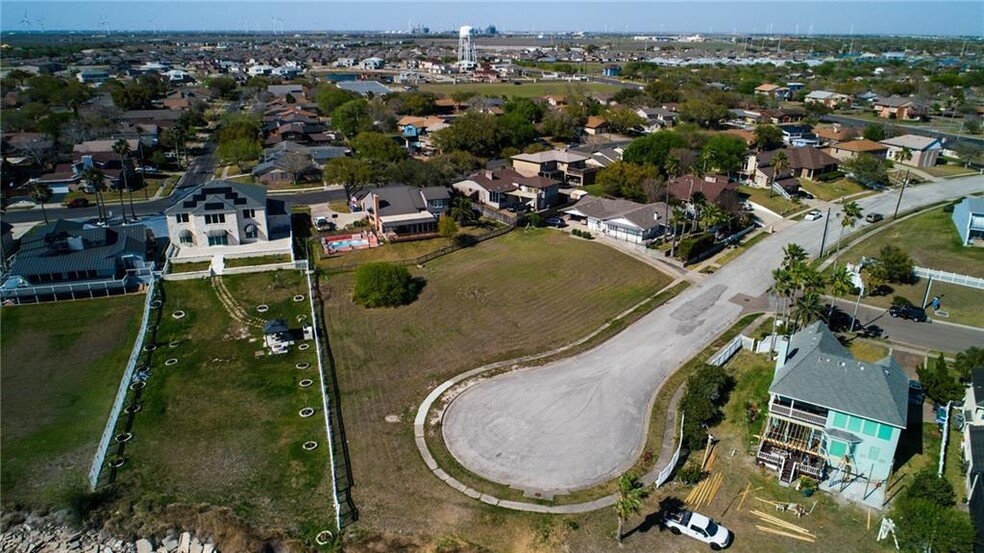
{"x":62,"y":364}
{"x":949,"y":171}
{"x":542,"y":88}
{"x":776,"y":203}
{"x":931,"y":241}
{"x":522,"y":293}
{"x":221,"y":427}
{"x":830,"y":191}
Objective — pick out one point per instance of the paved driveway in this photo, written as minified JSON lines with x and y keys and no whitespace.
{"x":581,"y":421}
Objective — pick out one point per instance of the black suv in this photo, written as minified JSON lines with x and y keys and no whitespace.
{"x":910,"y":312}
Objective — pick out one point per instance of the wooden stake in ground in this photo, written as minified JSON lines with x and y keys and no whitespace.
{"x":707,"y":451}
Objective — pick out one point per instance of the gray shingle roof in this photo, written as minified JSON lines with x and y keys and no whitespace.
{"x":819,"y":370}
{"x":364,"y":87}
{"x":231,"y":195}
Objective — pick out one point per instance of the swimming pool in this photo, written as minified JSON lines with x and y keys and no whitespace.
{"x":348,"y":244}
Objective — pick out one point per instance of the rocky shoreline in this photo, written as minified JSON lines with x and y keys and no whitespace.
{"x":50,"y":534}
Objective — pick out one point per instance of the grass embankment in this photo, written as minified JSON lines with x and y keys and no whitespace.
{"x":221,"y":426}
{"x":258,"y":260}
{"x":519,"y":294}
{"x":62,"y":363}
{"x":775,"y":203}
{"x":830,"y":191}
{"x":931,"y":241}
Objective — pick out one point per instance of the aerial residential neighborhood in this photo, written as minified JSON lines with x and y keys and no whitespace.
{"x":461,"y":278}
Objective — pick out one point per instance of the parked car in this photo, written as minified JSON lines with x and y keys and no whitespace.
{"x":874,"y":217}
{"x":940,"y":412}
{"x":699,"y":527}
{"x":916,"y":392}
{"x":518,"y":208}
{"x":323,"y":224}
{"x":556,"y":222}
{"x":910,"y":312}
{"x":813,"y":215}
{"x":78,"y":202}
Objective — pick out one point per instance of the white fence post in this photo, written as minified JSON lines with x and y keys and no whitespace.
{"x":948,"y":277}
{"x":664,"y":474}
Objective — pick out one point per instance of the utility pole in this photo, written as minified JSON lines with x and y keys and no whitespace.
{"x":823,"y":241}
{"x":901,"y":190}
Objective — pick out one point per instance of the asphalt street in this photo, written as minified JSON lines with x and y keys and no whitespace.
{"x":581,"y":421}
{"x":935,"y":334}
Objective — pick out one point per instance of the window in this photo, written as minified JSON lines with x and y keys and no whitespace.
{"x":840,"y":420}
{"x":252,"y":231}
{"x":218,"y":240}
{"x":854,"y":424}
{"x":181,"y":217}
{"x":249,"y":213}
{"x":185,"y":237}
{"x":885,"y":432}
{"x":215,"y":219}
{"x":837,"y":448}
{"x":870,"y":428}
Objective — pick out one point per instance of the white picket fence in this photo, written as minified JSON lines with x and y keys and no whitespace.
{"x":730,"y":349}
{"x":948,"y":277}
{"x":114,"y":415}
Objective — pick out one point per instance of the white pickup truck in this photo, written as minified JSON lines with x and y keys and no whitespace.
{"x":700,"y":528}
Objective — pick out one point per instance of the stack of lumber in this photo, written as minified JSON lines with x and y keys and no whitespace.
{"x":705,"y":492}
{"x":781,"y":527}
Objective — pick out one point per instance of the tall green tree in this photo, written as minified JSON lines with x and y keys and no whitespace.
{"x":768,"y":137}
{"x":374,"y":146}
{"x":122,"y":148}
{"x":631,"y":492}
{"x":653,"y":149}
{"x":724,"y":153}
{"x":780,"y":163}
{"x":41,"y":193}
{"x":351,"y":173}
{"x":867,"y":170}
{"x":352,"y":117}
{"x":625,"y":180}
{"x":850,"y":215}
{"x":97,"y":180}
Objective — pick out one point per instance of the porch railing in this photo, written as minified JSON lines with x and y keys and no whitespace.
{"x":798,"y":414}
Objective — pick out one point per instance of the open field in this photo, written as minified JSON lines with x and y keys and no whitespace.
{"x":776,"y":203}
{"x":221,"y":426}
{"x":62,"y":364}
{"x":521,"y":293}
{"x":829,"y":191}
{"x":526,"y":89}
{"x":930,"y":239}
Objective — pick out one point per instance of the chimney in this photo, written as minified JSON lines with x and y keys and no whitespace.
{"x":488,"y":174}
{"x":75,"y":243}
{"x":782,"y":351}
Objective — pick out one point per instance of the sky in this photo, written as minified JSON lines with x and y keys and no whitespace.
{"x":903,"y":17}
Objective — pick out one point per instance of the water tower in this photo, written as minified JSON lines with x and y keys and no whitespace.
{"x":467,"y":59}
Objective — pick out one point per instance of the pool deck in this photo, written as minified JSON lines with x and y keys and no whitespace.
{"x":368,"y":237}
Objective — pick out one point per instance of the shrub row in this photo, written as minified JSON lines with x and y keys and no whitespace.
{"x":582,"y":234}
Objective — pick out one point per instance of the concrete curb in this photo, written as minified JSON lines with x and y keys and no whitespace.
{"x":420,"y":421}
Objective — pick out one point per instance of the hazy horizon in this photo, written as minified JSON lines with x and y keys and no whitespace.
{"x":953,"y":18}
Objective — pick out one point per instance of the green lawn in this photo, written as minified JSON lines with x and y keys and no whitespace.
{"x":748,"y":406}
{"x":190,"y":267}
{"x":522,"y":293}
{"x":776,"y":203}
{"x":731,"y":253}
{"x":867,"y":350}
{"x":950,"y":171}
{"x":259,"y":260}
{"x":221,"y":427}
{"x":62,"y":363}
{"x":542,"y":88}
{"x":930,"y":239}
{"x":829,"y":191}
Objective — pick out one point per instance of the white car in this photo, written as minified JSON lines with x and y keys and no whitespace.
{"x":813,"y":215}
{"x":700,"y":528}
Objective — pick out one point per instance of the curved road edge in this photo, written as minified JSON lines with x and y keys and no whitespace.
{"x":420,"y":421}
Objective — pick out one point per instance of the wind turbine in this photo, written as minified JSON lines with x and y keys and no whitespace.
{"x":40,"y":22}
{"x":104,"y":23}
{"x":26,"y":21}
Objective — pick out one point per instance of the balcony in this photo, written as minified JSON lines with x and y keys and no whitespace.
{"x":798,"y":414}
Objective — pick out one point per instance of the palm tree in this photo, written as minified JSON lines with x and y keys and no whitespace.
{"x":793,"y":254}
{"x":839,"y":283}
{"x":850,"y":215}
{"x":697,"y":203}
{"x":40,"y":193}
{"x":672,"y":166}
{"x":782,"y":287}
{"x":903,"y":155}
{"x":461,"y":210}
{"x":678,"y":217}
{"x":809,"y":308}
{"x":122,"y":149}
{"x":780,"y":162}
{"x":97,"y":180}
{"x":630,"y":495}
{"x":714,"y":216}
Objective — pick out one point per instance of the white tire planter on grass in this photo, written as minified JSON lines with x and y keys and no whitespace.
{"x":306,"y":383}
{"x":310,"y":445}
{"x":263,"y":308}
{"x":303,"y":347}
{"x":302,"y":365}
{"x":324,"y":537}
{"x":306,"y":412}
{"x":299,"y":298}
{"x":178,"y":314}
{"x":171,"y":362}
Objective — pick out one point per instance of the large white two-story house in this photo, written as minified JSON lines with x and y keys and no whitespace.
{"x":223,"y":213}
